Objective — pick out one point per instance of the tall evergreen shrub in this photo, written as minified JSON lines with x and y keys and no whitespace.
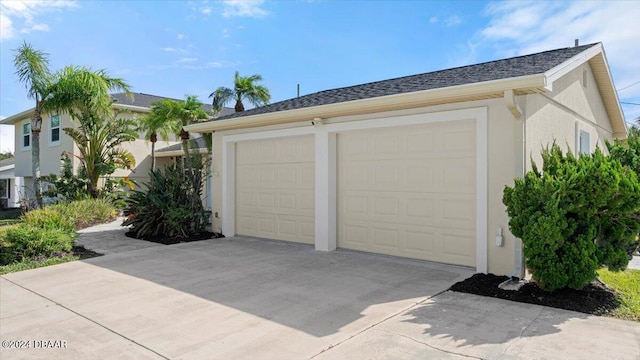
{"x":574,"y":216}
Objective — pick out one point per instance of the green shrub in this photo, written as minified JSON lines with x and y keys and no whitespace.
{"x":171,"y":207}
{"x":574,"y":216}
{"x":26,"y":241}
{"x":67,"y":186}
{"x":48,"y":219}
{"x":87,"y":212}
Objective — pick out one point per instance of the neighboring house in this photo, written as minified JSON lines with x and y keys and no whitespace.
{"x":9,"y":185}
{"x":414,"y":166}
{"x":54,"y":142}
{"x":174,"y":154}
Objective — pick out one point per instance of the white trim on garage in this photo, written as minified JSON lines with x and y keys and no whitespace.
{"x":325,"y":174}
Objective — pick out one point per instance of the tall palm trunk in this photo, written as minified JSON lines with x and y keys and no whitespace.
{"x":184,"y":136}
{"x":239,"y":106}
{"x":153,"y":138}
{"x":36,"y":125}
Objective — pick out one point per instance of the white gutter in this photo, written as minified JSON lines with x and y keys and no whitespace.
{"x":510,"y":99}
{"x":165,"y":154}
{"x":131,"y":107}
{"x":370,"y":105}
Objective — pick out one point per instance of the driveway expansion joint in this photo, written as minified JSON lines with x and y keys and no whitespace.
{"x":88,"y":319}
{"x":378,"y":323}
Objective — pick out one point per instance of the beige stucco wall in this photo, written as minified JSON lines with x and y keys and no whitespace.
{"x":502,"y":168}
{"x":49,"y":153}
{"x":557,"y":115}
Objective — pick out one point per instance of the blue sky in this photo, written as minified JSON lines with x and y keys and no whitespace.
{"x":174,"y":48}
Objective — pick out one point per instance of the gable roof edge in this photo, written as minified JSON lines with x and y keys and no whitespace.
{"x":597,"y":59}
{"x":536,"y":83}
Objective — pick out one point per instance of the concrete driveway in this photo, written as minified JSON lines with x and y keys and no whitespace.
{"x":244,"y":298}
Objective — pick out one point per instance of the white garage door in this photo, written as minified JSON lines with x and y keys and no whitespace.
{"x":409,"y":191}
{"x":275,"y":188}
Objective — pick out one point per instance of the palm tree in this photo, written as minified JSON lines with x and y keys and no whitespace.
{"x":154,"y":124}
{"x":32,"y":68}
{"x":98,"y":139}
{"x":68,"y":90}
{"x":244,"y":87}
{"x":185,"y":113}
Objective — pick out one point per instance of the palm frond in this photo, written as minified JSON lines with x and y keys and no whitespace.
{"x":32,"y":69}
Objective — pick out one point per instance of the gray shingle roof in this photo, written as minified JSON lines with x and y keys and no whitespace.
{"x":193,"y":143}
{"x":145,"y":100}
{"x":493,"y":70}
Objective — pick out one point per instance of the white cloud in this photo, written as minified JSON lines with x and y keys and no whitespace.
{"x":243,"y":8}
{"x":225,"y":33}
{"x":433,"y":20}
{"x":526,"y":27}
{"x":187,"y":60}
{"x":6,"y":27}
{"x":168,"y":49}
{"x":180,"y":36}
{"x":206,"y":10}
{"x":22,"y":14}
{"x":453,"y":20}
{"x":208,"y":65}
{"x":36,"y":27}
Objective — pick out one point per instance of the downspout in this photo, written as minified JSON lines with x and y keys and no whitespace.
{"x":519,"y":116}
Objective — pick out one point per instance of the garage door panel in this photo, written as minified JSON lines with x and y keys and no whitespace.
{"x":409,"y":191}
{"x":275,"y":196}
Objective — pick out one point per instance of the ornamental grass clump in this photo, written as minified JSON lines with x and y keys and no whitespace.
{"x":574,"y":216}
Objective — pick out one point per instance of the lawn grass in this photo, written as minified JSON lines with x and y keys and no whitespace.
{"x":33,"y":264}
{"x":627,"y":285}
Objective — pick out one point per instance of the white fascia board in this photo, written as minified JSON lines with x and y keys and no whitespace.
{"x":369,"y":105}
{"x":7,"y":167}
{"x":564,"y":68}
{"x":132,"y":108}
{"x":176,"y":153}
{"x":27,"y":114}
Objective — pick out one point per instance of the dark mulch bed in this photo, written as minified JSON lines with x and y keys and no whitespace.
{"x":83,"y":253}
{"x":176,"y":240}
{"x":595,"y":299}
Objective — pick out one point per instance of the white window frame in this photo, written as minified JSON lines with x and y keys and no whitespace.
{"x":584,"y":140}
{"x":28,"y":134}
{"x":51,"y":128}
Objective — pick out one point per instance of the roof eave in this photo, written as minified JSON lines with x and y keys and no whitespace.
{"x":467,"y":92}
{"x":27,"y":114}
{"x":170,"y":153}
{"x":132,"y":108}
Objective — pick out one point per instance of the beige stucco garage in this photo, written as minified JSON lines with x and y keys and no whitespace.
{"x":414,"y":166}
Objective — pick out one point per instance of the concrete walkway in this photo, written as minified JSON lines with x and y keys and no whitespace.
{"x":242,"y":298}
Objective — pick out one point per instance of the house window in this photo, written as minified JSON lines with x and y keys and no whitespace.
{"x":5,"y":187}
{"x":54,"y":135}
{"x":584,"y":142}
{"x":584,"y":78}
{"x":26,"y":136}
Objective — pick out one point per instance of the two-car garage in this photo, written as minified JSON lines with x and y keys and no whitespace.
{"x":407,"y":190}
